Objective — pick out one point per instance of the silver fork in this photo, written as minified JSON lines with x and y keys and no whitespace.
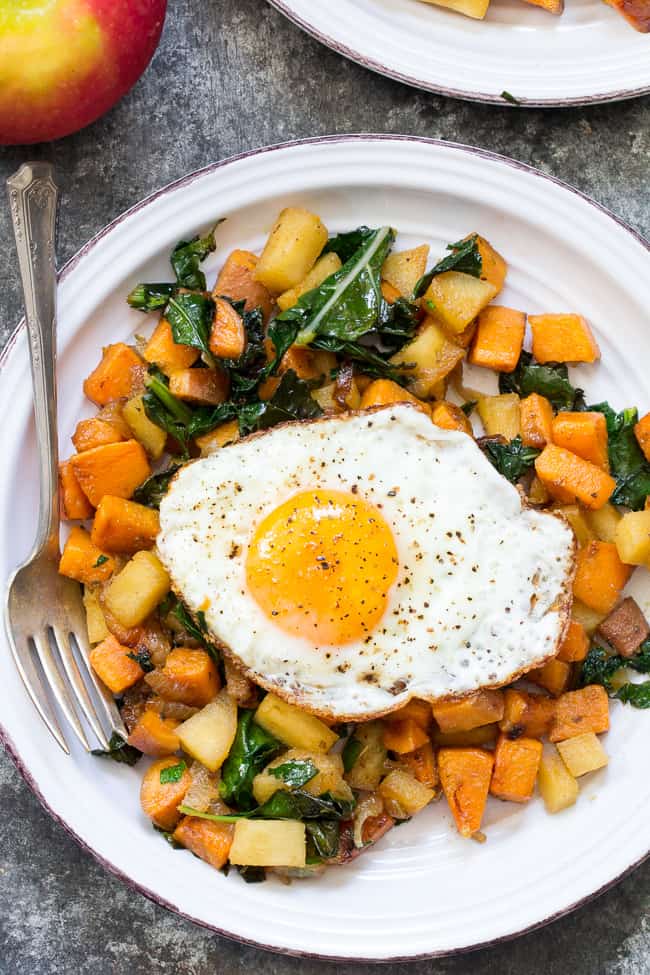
{"x":44,"y":611}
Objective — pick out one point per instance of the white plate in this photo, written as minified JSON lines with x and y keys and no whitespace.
{"x":423,"y":890}
{"x":589,"y":54}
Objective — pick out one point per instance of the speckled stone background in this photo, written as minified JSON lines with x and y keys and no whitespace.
{"x":231,"y":75}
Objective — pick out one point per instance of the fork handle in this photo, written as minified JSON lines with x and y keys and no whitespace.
{"x":33,"y":197}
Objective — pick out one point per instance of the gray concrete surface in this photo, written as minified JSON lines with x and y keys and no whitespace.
{"x":231,"y":75}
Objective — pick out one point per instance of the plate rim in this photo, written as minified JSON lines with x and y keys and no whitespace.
{"x":5,"y":738}
{"x":352,"y":54}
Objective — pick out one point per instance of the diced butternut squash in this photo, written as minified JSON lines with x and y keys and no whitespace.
{"x":476,"y":9}
{"x":224,"y":434}
{"x":83,"y":561}
{"x":154,"y":735}
{"x":302,"y":361}
{"x":162,"y":351}
{"x":152,"y":438}
{"x":571,"y":478}
{"x":604,"y":522}
{"x":450,"y":417}
{"x":269,"y":843}
{"x":403,"y":269}
{"x":293,"y":726}
{"x":135,"y":592}
{"x":188,"y":676}
{"x":208,"y":735}
{"x":516,"y":763}
{"x":124,"y":526}
{"x":227,"y":335}
{"x":642,"y":434}
{"x":500,"y":415}
{"x":465,"y":775}
{"x":553,"y":676}
{"x":418,"y":710}
{"x":563,"y":338}
{"x":385,"y":392}
{"x":577,"y":518}
{"x":526,"y":715}
{"x":552,"y":6}
{"x":295,"y":242}
{"x":110,"y":661}
{"x":632,"y":538}
{"x":95,"y":620}
{"x":160,"y":800}
{"x":494,"y":267}
{"x":485,"y":734}
{"x":600,"y":576}
{"x":557,"y":787}
{"x":117,"y":376}
{"x":636,"y":12}
{"x":237,"y":281}
{"x":536,"y":421}
{"x":94,"y":433}
{"x":368,"y":769}
{"x":478,"y":708}
{"x":499,"y":338}
{"x":75,"y":506}
{"x":455,"y":299}
{"x":404,"y":789}
{"x":206,"y":387}
{"x":422,"y":764}
{"x":584,"y":434}
{"x":115,"y":468}
{"x":207,"y":840}
{"x":428,"y":358}
{"x":325,"y":266}
{"x":581,"y":711}
{"x":404,"y":735}
{"x":582,"y":754}
{"x":389,"y":293}
{"x":575,"y":644}
{"x":586,"y":616}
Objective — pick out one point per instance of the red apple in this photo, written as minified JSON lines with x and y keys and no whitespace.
{"x":63,"y":63}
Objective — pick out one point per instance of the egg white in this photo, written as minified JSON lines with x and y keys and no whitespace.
{"x":484,"y":583}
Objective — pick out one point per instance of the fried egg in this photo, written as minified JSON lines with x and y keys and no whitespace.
{"x":352,"y":562}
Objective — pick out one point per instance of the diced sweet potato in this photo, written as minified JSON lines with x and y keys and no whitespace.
{"x":465,"y":775}
{"x":581,"y":711}
{"x":636,"y":12}
{"x":188,"y":676}
{"x":419,"y":710}
{"x":498,"y":339}
{"x":160,"y":800}
{"x":571,"y":478}
{"x":124,"y":526}
{"x":388,"y":292}
{"x":516,"y":763}
{"x":526,"y":715}
{"x":632,"y":538}
{"x":494,"y":267}
{"x":584,"y":434}
{"x":75,"y":506}
{"x":422,"y":764}
{"x":117,"y":376}
{"x":115,"y":468}
{"x":404,"y":735}
{"x":83,"y":561}
{"x":228,"y":335}
{"x":207,"y":387}
{"x":478,"y":708}
{"x":485,"y":734}
{"x":450,"y":417}
{"x":154,"y":735}
{"x":167,"y":354}
{"x":575,"y":644}
{"x":554,"y":676}
{"x":208,"y":841}
{"x":302,"y":361}
{"x":94,"y":433}
{"x":224,"y":434}
{"x":563,"y":338}
{"x":385,"y":392}
{"x":536,"y":415}
{"x":552,"y":6}
{"x":600,"y":576}
{"x":642,"y":433}
{"x":110,"y":661}
{"x":625,"y":628}
{"x":237,"y":281}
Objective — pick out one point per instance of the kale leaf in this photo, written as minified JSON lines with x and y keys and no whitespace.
{"x":250,"y":368}
{"x":190,"y":317}
{"x":286,"y":805}
{"x":154,"y":489}
{"x":166,"y":410}
{"x":323,"y":837}
{"x":510,"y":459}
{"x":186,"y":257}
{"x":626,"y":459}
{"x":150,"y":297}
{"x":351,"y":751}
{"x":142,"y":657}
{"x":550,"y":380}
{"x":252,"y":875}
{"x":371,"y":361}
{"x":119,"y":750}
{"x":172,"y":773}
{"x":599,"y":667}
{"x":347,"y":244}
{"x":638,"y":695}
{"x":465,"y":257}
{"x":252,"y":749}
{"x":292,"y":400}
{"x":295,"y":773}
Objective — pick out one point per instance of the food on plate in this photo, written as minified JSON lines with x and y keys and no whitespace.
{"x":329,"y":583}
{"x":636,"y":12}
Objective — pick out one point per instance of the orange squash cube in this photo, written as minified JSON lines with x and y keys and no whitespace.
{"x":584,"y":434}
{"x":422,"y":763}
{"x":94,"y":433}
{"x":476,"y":709}
{"x":581,"y":711}
{"x":115,"y":468}
{"x":536,"y":421}
{"x":124,"y":526}
{"x":389,"y":292}
{"x":114,"y":668}
{"x":642,"y":433}
{"x":494,"y":267}
{"x":465,"y":775}
{"x":83,"y":561}
{"x":118,"y":374}
{"x":162,"y":351}
{"x":160,"y":800}
{"x":571,"y":478}
{"x":228,"y":335}
{"x":499,"y":338}
{"x":600,"y":576}
{"x":404,"y":735}
{"x":188,"y":676}
{"x":450,"y":417}
{"x":385,"y":392}
{"x":237,"y":281}
{"x":206,"y":387}
{"x":575,"y":644}
{"x":553,"y":676}
{"x":563,"y":338}
{"x":419,"y":710}
{"x":516,"y":762}
{"x":208,"y":841}
{"x":155,"y":736}
{"x":75,"y":506}
{"x":526,"y":715}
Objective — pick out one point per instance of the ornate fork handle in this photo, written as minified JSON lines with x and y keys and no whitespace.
{"x":33,"y":199}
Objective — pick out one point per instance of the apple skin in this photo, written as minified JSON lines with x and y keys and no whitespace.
{"x":63,"y":63}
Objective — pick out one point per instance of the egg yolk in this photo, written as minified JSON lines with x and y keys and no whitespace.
{"x":321,"y":566}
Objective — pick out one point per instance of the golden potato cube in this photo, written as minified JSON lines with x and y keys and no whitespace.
{"x":324,"y":266}
{"x":224,"y":434}
{"x":557,"y":787}
{"x":208,"y":735}
{"x":329,"y":777}
{"x":295,"y":242}
{"x":369,"y":767}
{"x":293,"y":726}
{"x":604,"y":522}
{"x":577,"y":518}
{"x":632,"y":538}
{"x":586,"y":616}
{"x":431,"y":355}
{"x":470,"y":8}
{"x":269,"y":843}
{"x":582,"y":754}
{"x":95,"y":622}
{"x":455,"y":299}
{"x":500,"y":415}
{"x":404,"y":789}
{"x":152,"y":438}
{"x":134,"y":593}
{"x":404,"y":269}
